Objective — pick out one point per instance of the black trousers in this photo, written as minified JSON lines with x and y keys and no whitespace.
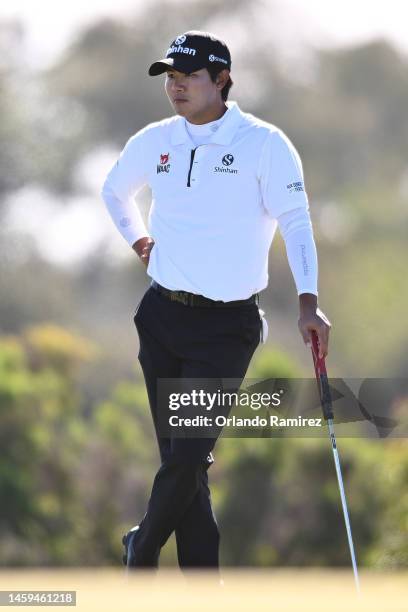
{"x":180,"y":341}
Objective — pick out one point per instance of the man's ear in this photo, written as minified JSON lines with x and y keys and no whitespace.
{"x":222,"y":78}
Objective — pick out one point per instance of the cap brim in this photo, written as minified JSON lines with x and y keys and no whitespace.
{"x":179,"y":64}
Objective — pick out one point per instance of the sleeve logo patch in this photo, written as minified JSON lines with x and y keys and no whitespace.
{"x":292,"y":187}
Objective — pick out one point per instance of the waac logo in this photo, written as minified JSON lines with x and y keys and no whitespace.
{"x":163,"y":166}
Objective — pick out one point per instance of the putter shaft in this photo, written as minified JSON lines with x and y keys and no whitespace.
{"x":325,"y":397}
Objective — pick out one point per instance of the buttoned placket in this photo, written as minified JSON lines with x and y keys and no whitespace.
{"x":197,"y":153}
{"x":196,"y":165}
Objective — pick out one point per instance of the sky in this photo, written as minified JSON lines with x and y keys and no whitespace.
{"x":50,"y":25}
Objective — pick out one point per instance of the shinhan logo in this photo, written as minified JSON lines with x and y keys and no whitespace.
{"x":227,"y":160}
{"x":180,"y":49}
{"x":214,"y":58}
{"x":180,"y":39}
{"x":163,"y":166}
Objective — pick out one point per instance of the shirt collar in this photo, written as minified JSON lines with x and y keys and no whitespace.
{"x":224,"y":134}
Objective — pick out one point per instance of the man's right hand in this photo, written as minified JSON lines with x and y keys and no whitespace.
{"x":142,"y":247}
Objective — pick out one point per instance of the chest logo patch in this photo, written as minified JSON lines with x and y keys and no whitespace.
{"x":163,"y":166}
{"x":227,"y":161}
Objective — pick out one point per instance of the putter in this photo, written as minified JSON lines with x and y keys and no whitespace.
{"x":325,"y":397}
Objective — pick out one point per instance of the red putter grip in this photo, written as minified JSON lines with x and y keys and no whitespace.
{"x":321,"y":377}
{"x":320,"y":365}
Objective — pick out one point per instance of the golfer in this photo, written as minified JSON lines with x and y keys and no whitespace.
{"x":222,"y":181}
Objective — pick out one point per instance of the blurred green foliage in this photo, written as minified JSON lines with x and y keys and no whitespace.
{"x":73,"y":479}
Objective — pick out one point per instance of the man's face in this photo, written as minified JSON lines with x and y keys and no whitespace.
{"x":191,"y":95}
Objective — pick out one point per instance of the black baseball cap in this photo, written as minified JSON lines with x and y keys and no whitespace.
{"x":192,"y":51}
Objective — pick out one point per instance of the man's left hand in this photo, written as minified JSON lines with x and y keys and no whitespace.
{"x":311,"y":318}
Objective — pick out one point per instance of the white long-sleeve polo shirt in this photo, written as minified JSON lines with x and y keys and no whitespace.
{"x":214,"y":206}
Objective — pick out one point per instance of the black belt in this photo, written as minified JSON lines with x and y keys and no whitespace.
{"x":192,"y":299}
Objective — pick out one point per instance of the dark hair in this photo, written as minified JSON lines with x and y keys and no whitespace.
{"x":214,"y":72}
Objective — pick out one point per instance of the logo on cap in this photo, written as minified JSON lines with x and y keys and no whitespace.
{"x":180,"y":39}
{"x":214,"y":58}
{"x":180,"y":49}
